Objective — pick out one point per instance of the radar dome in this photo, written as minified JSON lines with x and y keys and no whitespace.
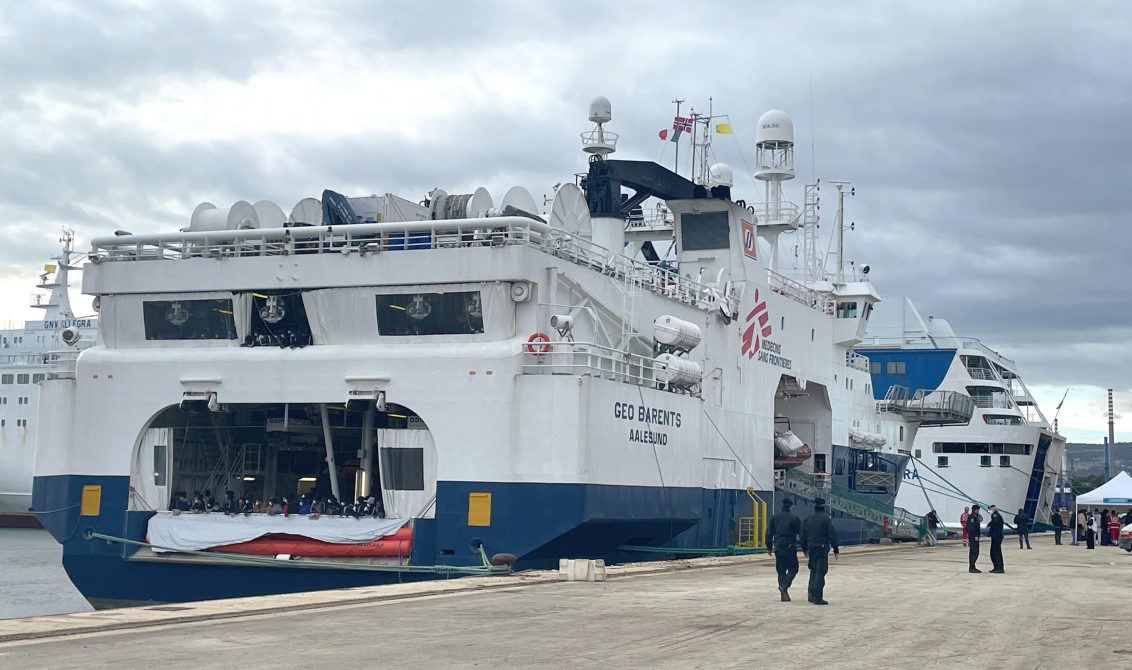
{"x":775,"y":126}
{"x":600,"y":110}
{"x":720,"y":174}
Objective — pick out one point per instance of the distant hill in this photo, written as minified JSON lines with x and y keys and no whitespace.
{"x":1088,"y":459}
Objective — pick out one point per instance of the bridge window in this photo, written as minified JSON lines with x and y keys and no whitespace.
{"x":981,"y":448}
{"x":8,"y":379}
{"x":847,"y":310}
{"x":456,"y":313}
{"x":23,"y":379}
{"x":189,"y":320}
{"x":984,"y":461}
{"x":1004,"y":461}
{"x":35,"y":379}
{"x":709,"y":230}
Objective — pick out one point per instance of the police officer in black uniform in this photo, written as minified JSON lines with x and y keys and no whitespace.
{"x":818,"y":536}
{"x":782,"y":536}
{"x":974,"y":523}
{"x":994,"y":527}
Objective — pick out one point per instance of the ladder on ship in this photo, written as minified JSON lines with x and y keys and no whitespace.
{"x":897,"y":522}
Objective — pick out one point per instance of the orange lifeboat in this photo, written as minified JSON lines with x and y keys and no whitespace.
{"x":399,"y":544}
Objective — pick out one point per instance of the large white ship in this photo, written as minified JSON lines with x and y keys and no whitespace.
{"x":25,"y":358}
{"x":1008,"y":455}
{"x":502,"y":384}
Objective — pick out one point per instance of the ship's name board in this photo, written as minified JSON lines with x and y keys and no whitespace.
{"x":771,"y":352}
{"x":68,"y":323}
{"x":644,"y":419}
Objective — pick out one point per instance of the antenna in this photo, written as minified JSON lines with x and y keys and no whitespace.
{"x":839,"y":223}
{"x":599,"y":143}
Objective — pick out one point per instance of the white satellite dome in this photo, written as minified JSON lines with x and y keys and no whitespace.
{"x":600,"y":110}
{"x":774,"y":126}
{"x":721,"y":174}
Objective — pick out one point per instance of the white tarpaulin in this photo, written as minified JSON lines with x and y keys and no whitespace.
{"x":194,"y":532}
{"x":1116,"y":491}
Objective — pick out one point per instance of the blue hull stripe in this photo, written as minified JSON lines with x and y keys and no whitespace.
{"x":539,"y":523}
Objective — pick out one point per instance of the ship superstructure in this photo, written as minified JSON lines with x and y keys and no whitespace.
{"x":503,"y":383}
{"x":1007,"y":455}
{"x":26,"y":356}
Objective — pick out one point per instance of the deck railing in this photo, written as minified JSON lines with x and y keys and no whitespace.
{"x":371,"y":238}
{"x":593,"y":360}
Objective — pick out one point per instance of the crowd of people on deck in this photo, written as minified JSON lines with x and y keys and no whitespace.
{"x":310,"y":504}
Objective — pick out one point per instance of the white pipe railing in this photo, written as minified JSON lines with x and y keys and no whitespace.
{"x":369,"y":238}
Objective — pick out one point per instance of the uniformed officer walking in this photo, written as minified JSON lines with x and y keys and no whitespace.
{"x":818,"y":536}
{"x":994,"y":529}
{"x":782,"y":537}
{"x":973,"y":528}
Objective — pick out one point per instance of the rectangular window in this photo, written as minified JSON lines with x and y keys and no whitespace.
{"x":456,"y":313}
{"x":7,"y":379}
{"x":189,"y":319}
{"x":160,"y":460}
{"x":35,"y":379}
{"x":847,"y":310}
{"x":819,"y":462}
{"x":23,"y":379}
{"x":984,"y":461}
{"x":896,"y":367}
{"x":917,"y":452}
{"x":1004,"y":461}
{"x":941,"y":461}
{"x":874,"y":367}
{"x":404,"y":468}
{"x":709,"y":230}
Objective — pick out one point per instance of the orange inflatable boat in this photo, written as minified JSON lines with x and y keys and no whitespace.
{"x":399,"y":544}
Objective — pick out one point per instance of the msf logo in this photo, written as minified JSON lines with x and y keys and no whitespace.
{"x":751,"y":341}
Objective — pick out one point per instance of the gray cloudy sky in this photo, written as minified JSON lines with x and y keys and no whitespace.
{"x":989,"y":142}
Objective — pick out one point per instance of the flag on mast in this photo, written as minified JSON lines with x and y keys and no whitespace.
{"x":723,"y":128}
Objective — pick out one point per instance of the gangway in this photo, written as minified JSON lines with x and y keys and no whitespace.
{"x":897,"y":522}
{"x":928,"y":408}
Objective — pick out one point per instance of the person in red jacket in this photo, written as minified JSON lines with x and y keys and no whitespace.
{"x":963,"y":523}
{"x":1114,"y":527}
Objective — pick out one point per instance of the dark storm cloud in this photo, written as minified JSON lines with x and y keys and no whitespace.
{"x":988,"y":141}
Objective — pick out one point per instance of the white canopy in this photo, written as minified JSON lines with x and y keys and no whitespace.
{"x":1116,"y":491}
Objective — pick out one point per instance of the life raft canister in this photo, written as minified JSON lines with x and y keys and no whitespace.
{"x":538,"y":343}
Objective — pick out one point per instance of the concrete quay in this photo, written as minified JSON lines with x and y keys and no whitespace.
{"x":891,"y":607}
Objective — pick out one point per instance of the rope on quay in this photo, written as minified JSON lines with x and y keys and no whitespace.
{"x":486,"y":569}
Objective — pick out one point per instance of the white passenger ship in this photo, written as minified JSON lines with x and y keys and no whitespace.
{"x":1008,"y":454}
{"x":25,"y":358}
{"x":504,"y":384}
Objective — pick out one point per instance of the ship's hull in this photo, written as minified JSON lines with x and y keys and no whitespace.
{"x":538,"y":523}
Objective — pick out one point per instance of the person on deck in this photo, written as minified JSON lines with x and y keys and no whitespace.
{"x":1058,"y":526}
{"x":971,"y":530}
{"x":230,"y":506}
{"x":995,"y":530}
{"x":1022,"y":524}
{"x":782,"y":540}
{"x":818,"y":537}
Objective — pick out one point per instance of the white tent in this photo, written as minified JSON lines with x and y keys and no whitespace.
{"x":1116,"y":491}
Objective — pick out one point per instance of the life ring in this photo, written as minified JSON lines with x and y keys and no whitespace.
{"x":543,"y":345}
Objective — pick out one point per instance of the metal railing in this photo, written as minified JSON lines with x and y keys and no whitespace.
{"x":934,"y":407}
{"x":593,"y":360}
{"x":983,"y":374}
{"x":799,"y":292}
{"x":767,"y":213}
{"x":371,"y":238}
{"x":856,"y":361}
{"x":62,"y":363}
{"x":897,"y":522}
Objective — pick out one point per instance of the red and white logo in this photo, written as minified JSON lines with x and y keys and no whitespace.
{"x":750,"y":246}
{"x":751,"y":341}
